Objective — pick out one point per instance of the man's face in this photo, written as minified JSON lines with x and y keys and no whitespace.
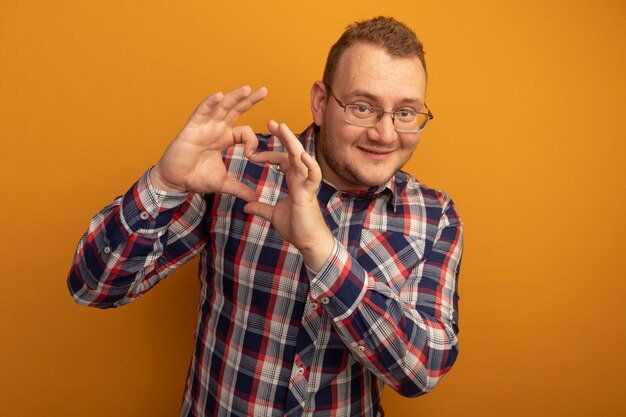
{"x":357,"y":158}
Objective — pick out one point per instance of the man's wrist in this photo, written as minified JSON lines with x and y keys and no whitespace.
{"x":157,"y":181}
{"x":317,"y":254}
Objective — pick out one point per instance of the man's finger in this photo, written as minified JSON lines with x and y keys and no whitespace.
{"x":258,"y":95}
{"x":245,"y":135}
{"x":219,"y":105}
{"x":230,"y":101}
{"x":315,"y":172}
{"x":259,"y":209}
{"x":291,"y":143}
{"x":204,"y":109}
{"x":286,"y":137}
{"x":271,"y":157}
{"x":244,"y":104}
{"x":239,"y":190}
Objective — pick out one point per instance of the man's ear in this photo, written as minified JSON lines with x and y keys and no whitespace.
{"x":318,"y":101}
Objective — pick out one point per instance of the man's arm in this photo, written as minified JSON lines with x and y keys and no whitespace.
{"x":157,"y":225}
{"x":408,"y":339}
{"x":134,"y":243}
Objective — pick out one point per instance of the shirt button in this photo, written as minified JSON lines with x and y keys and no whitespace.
{"x":107,"y":250}
{"x":362,"y":348}
{"x":144,"y":215}
{"x":324,"y":300}
{"x":313,"y":306}
{"x":300,"y":371}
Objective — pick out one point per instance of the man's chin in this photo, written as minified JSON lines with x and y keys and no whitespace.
{"x":372,"y":180}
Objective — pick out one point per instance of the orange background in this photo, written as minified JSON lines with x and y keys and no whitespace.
{"x":528,"y":138}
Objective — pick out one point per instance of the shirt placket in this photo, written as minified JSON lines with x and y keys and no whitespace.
{"x":345,"y":216}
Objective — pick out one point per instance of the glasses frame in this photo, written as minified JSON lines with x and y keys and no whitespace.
{"x":380,"y":113}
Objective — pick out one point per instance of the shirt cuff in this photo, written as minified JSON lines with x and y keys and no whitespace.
{"x":340,"y":285}
{"x":148,"y":210}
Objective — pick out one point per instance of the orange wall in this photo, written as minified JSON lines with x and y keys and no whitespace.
{"x":528,"y":138}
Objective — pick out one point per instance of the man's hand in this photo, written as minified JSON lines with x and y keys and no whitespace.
{"x":297,"y":218}
{"x":193,"y":161}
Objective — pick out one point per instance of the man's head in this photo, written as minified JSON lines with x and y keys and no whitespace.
{"x":376,"y":64}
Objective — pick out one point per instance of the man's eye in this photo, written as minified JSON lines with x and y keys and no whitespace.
{"x":405,"y":114}
{"x":361,"y":111}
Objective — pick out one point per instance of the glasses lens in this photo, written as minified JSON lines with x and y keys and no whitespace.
{"x":409,"y":121}
{"x":361,"y":115}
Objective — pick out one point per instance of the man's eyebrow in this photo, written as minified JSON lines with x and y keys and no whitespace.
{"x":357,"y":94}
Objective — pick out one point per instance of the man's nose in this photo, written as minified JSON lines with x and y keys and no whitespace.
{"x":385,"y":130}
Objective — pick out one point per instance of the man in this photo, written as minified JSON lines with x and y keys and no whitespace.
{"x":326,"y":271}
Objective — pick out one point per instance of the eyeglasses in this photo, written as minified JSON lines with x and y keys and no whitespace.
{"x":364,"y":115}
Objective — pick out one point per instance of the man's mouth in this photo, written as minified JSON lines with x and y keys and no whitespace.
{"x":376,"y":152}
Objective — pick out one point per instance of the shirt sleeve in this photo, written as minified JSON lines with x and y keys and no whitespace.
{"x":407,"y":338}
{"x":134,"y":243}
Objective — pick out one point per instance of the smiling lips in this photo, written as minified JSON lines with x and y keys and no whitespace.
{"x":376,"y":153}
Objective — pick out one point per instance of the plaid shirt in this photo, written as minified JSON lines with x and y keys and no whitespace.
{"x":273,"y":338}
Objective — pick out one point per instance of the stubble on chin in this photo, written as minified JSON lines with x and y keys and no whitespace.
{"x":347,"y":170}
